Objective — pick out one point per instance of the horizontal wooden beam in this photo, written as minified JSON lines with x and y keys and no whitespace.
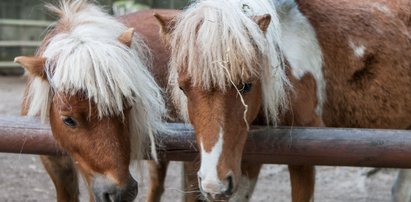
{"x":299,"y":146}
{"x":26,"y":136}
{"x":23,"y":22}
{"x":33,"y":44}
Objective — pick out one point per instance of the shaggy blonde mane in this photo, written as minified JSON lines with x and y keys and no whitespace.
{"x":84,"y":56}
{"x":217,"y":43}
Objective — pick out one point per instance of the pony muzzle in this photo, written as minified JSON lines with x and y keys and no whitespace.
{"x":105,"y":190}
{"x":217,"y":190}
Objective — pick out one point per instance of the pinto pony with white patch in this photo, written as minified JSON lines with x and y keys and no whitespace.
{"x":307,"y":63}
{"x":90,"y":80}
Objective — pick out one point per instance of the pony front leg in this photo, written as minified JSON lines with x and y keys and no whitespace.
{"x":302,"y":183}
{"x":64,"y":176}
{"x":157,"y":174}
{"x":248,"y":181}
{"x":190,"y":183}
{"x":401,"y":190}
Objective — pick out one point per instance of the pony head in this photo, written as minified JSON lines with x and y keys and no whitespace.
{"x":90,"y":80}
{"x":224,"y":70}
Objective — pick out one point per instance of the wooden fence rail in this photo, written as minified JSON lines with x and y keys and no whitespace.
{"x":24,"y":22}
{"x":308,"y":146}
{"x":33,"y":44}
{"x":19,"y":43}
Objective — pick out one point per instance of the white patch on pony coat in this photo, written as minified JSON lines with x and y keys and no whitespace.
{"x":245,"y":190}
{"x":382,"y":7}
{"x":359,"y":50}
{"x":87,"y":57}
{"x":210,"y":183}
{"x":229,"y":39}
{"x":300,"y":46}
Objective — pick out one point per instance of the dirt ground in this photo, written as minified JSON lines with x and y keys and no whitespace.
{"x":24,"y":179}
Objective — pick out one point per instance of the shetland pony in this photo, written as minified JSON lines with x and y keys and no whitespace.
{"x":90,"y":80}
{"x":307,"y":63}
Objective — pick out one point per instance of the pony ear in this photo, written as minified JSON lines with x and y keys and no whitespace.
{"x":127,"y":37}
{"x":263,"y":21}
{"x":34,"y":65}
{"x":166,"y":22}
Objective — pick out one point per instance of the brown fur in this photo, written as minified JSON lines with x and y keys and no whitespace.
{"x":33,"y":64}
{"x":146,"y":26}
{"x":113,"y":158}
{"x":64,"y":177}
{"x":303,"y":101}
{"x":302,"y":180}
{"x":190,"y":182}
{"x":157,"y":174}
{"x":372,"y":91}
{"x":89,"y":143}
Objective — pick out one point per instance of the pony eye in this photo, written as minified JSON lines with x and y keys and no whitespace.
{"x":246,"y":87}
{"x":70,"y":122}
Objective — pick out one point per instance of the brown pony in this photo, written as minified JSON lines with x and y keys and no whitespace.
{"x":90,"y":80}
{"x":307,"y":63}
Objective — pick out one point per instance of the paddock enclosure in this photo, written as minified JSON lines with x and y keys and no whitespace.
{"x":23,"y":178}
{"x":298,"y":146}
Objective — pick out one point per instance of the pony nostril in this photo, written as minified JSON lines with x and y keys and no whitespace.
{"x":229,"y":190}
{"x":105,"y":190}
{"x":111,"y":197}
{"x":108,"y":197}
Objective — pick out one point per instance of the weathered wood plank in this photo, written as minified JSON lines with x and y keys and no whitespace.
{"x":24,"y":22}
{"x":20,"y":43}
{"x":309,"y":146}
{"x":26,"y":136}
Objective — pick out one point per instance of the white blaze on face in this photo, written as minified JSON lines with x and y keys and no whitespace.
{"x":210,"y":183}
